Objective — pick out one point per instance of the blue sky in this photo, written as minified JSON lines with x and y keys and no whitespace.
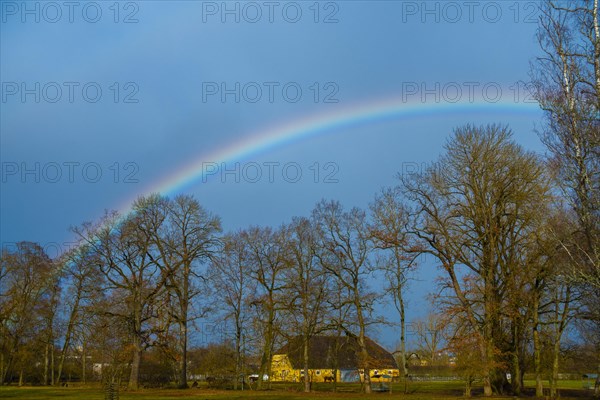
{"x":68,"y":154}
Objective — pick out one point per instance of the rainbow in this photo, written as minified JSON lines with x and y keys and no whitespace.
{"x":262,"y":141}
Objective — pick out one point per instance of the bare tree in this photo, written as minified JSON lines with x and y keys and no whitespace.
{"x":81,"y":282}
{"x":184,"y":234}
{"x":389,"y":231}
{"x":28,"y":282}
{"x":566,"y":80}
{"x":553,"y":296}
{"x":477,"y":211}
{"x":48,"y":313}
{"x":308,"y":287}
{"x":346,"y":246}
{"x":340,"y":319}
{"x":268,"y":261}
{"x":133,"y":278}
{"x":429,"y":333}
{"x":233,"y":289}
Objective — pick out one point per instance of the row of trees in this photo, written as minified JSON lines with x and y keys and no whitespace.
{"x":566,"y":81}
{"x":516,"y":237}
{"x":489,"y":212}
{"x":129,"y":282}
{"x":136,"y":281}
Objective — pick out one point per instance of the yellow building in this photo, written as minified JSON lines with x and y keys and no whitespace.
{"x":329,"y":356}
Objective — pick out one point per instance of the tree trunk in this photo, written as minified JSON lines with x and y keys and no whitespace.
{"x":184,"y":299}
{"x":306,"y":381}
{"x":468,"y":387}
{"x":554,"y":380}
{"x":83,"y":364}
{"x":537,"y":357}
{"x":364,"y":357}
{"x":270,"y":364}
{"x":367,"y":377}
{"x":597,"y":384}
{"x":487,"y":379}
{"x":404,"y":367}
{"x":266,"y":355}
{"x":67,"y":343}
{"x":46,"y":363}
{"x":134,"y":376}
{"x":487,"y":375}
{"x":335,"y":360}
{"x":7,"y":369}
{"x":515,"y":380}
{"x":489,"y":314}
{"x":183,"y":364}
{"x":52,"y":381}
{"x":364,"y":354}
{"x":238,"y":354}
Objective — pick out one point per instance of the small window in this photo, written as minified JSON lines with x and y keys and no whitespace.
{"x":317,"y":372}
{"x":375,"y":372}
{"x":389,"y":372}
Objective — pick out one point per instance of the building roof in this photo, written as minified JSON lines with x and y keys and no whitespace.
{"x":322,"y":353}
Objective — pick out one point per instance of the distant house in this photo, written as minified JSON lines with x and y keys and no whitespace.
{"x":328,"y":354}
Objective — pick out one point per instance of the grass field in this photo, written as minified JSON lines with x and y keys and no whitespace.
{"x":417,"y":391}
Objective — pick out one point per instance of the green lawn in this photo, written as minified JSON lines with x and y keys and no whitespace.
{"x":417,"y":391}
